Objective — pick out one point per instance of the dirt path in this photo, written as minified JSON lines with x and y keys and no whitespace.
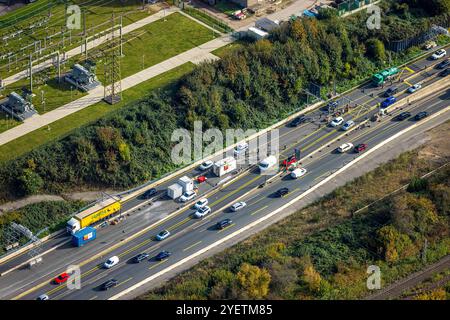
{"x":84,"y":196}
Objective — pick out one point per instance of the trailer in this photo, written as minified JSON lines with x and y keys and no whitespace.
{"x":224,"y":166}
{"x":83,"y":236}
{"x":175,"y":191}
{"x":98,"y":211}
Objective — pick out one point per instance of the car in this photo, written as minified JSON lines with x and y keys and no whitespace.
{"x":62,"y":278}
{"x":445,"y":73}
{"x":402,"y":116}
{"x":111,"y":262}
{"x":297,"y":121}
{"x":439,"y":54}
{"x":337,"y":121}
{"x":240,"y":149}
{"x":330,"y":106}
{"x":391,"y":91}
{"x":345,"y":147}
{"x":348,"y":125}
{"x":162,"y":255}
{"x":282,"y":192}
{"x":421,"y":115}
{"x":429,"y":45}
{"x":188,"y":195}
{"x":297,"y":173}
{"x":206,"y":165}
{"x":141,"y":257}
{"x":109,"y":284}
{"x":202,"y":212}
{"x":201,"y":203}
{"x":389,"y":101}
{"x":360,"y":147}
{"x":149,"y":193}
{"x":414,"y":88}
{"x":223,"y":223}
{"x":444,"y":64}
{"x":162,"y":235}
{"x":289,"y":161}
{"x":43,"y":297}
{"x":238,"y":206}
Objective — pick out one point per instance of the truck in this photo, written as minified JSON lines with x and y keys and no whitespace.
{"x":186,"y":183}
{"x":174,"y":191}
{"x":224,"y":166}
{"x":267,"y":163}
{"x":87,"y":217}
{"x":381,"y":77}
{"x":83,"y":236}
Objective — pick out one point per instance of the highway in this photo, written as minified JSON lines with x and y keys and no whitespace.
{"x":189,"y":234}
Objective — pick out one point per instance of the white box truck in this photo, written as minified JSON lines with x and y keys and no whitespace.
{"x":224,"y":166}
{"x":175,"y":191}
{"x":186,"y":183}
{"x":268,"y":163}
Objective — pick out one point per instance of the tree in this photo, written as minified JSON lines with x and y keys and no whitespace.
{"x":312,"y":278}
{"x":254,"y":280}
{"x":30,"y":182}
{"x":376,"y":50}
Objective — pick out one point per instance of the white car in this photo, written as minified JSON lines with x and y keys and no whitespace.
{"x":348,"y":125}
{"x":201,"y":203}
{"x":202,"y":212}
{"x":111,"y":262}
{"x":238,"y":206}
{"x":297,"y":173}
{"x":414,"y":88}
{"x":189,"y":195}
{"x":345,"y":147}
{"x":337,"y":121}
{"x":439,"y":54}
{"x":162,"y":235}
{"x":206,"y":165}
{"x":240,"y":148}
{"x":429,"y":45}
{"x":43,"y":297}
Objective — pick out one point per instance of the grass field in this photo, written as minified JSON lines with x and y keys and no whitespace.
{"x":222,"y":51}
{"x":63,"y":127}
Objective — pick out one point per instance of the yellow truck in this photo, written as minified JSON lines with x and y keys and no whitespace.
{"x":93,"y":214}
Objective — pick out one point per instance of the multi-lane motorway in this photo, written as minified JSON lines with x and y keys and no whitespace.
{"x":188,"y":234}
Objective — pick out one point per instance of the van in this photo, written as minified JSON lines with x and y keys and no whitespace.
{"x":267,"y":163}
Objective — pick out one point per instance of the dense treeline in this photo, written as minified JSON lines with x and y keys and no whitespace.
{"x":290,"y":261}
{"x":249,"y":88}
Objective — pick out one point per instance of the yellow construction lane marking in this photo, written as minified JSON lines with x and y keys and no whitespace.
{"x":191,"y":246}
{"x":409,"y":69}
{"x":226,"y":228}
{"x":159,"y":263}
{"x":125,"y":281}
{"x":259,"y":209}
{"x":409,"y":84}
{"x":94,"y":297}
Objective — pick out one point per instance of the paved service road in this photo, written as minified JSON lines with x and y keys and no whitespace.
{"x":309,"y":136}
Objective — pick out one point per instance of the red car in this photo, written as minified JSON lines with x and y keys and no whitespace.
{"x":62,"y":278}
{"x":201,"y":179}
{"x":360,"y":147}
{"x":287,"y":162}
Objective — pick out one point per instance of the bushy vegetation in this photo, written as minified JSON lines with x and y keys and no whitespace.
{"x":290,"y":260}
{"x":48,"y":214}
{"x":251,"y":87}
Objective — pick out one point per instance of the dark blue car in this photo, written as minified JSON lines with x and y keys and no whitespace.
{"x":162,"y":255}
{"x":389,"y":101}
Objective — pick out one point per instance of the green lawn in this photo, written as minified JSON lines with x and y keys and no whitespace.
{"x":222,"y":51}
{"x":6,"y":122}
{"x":64,"y":126}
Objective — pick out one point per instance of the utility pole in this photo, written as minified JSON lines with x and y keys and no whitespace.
{"x":113,"y":86}
{"x":43,"y":100}
{"x":424,"y":251}
{"x":31,"y":73}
